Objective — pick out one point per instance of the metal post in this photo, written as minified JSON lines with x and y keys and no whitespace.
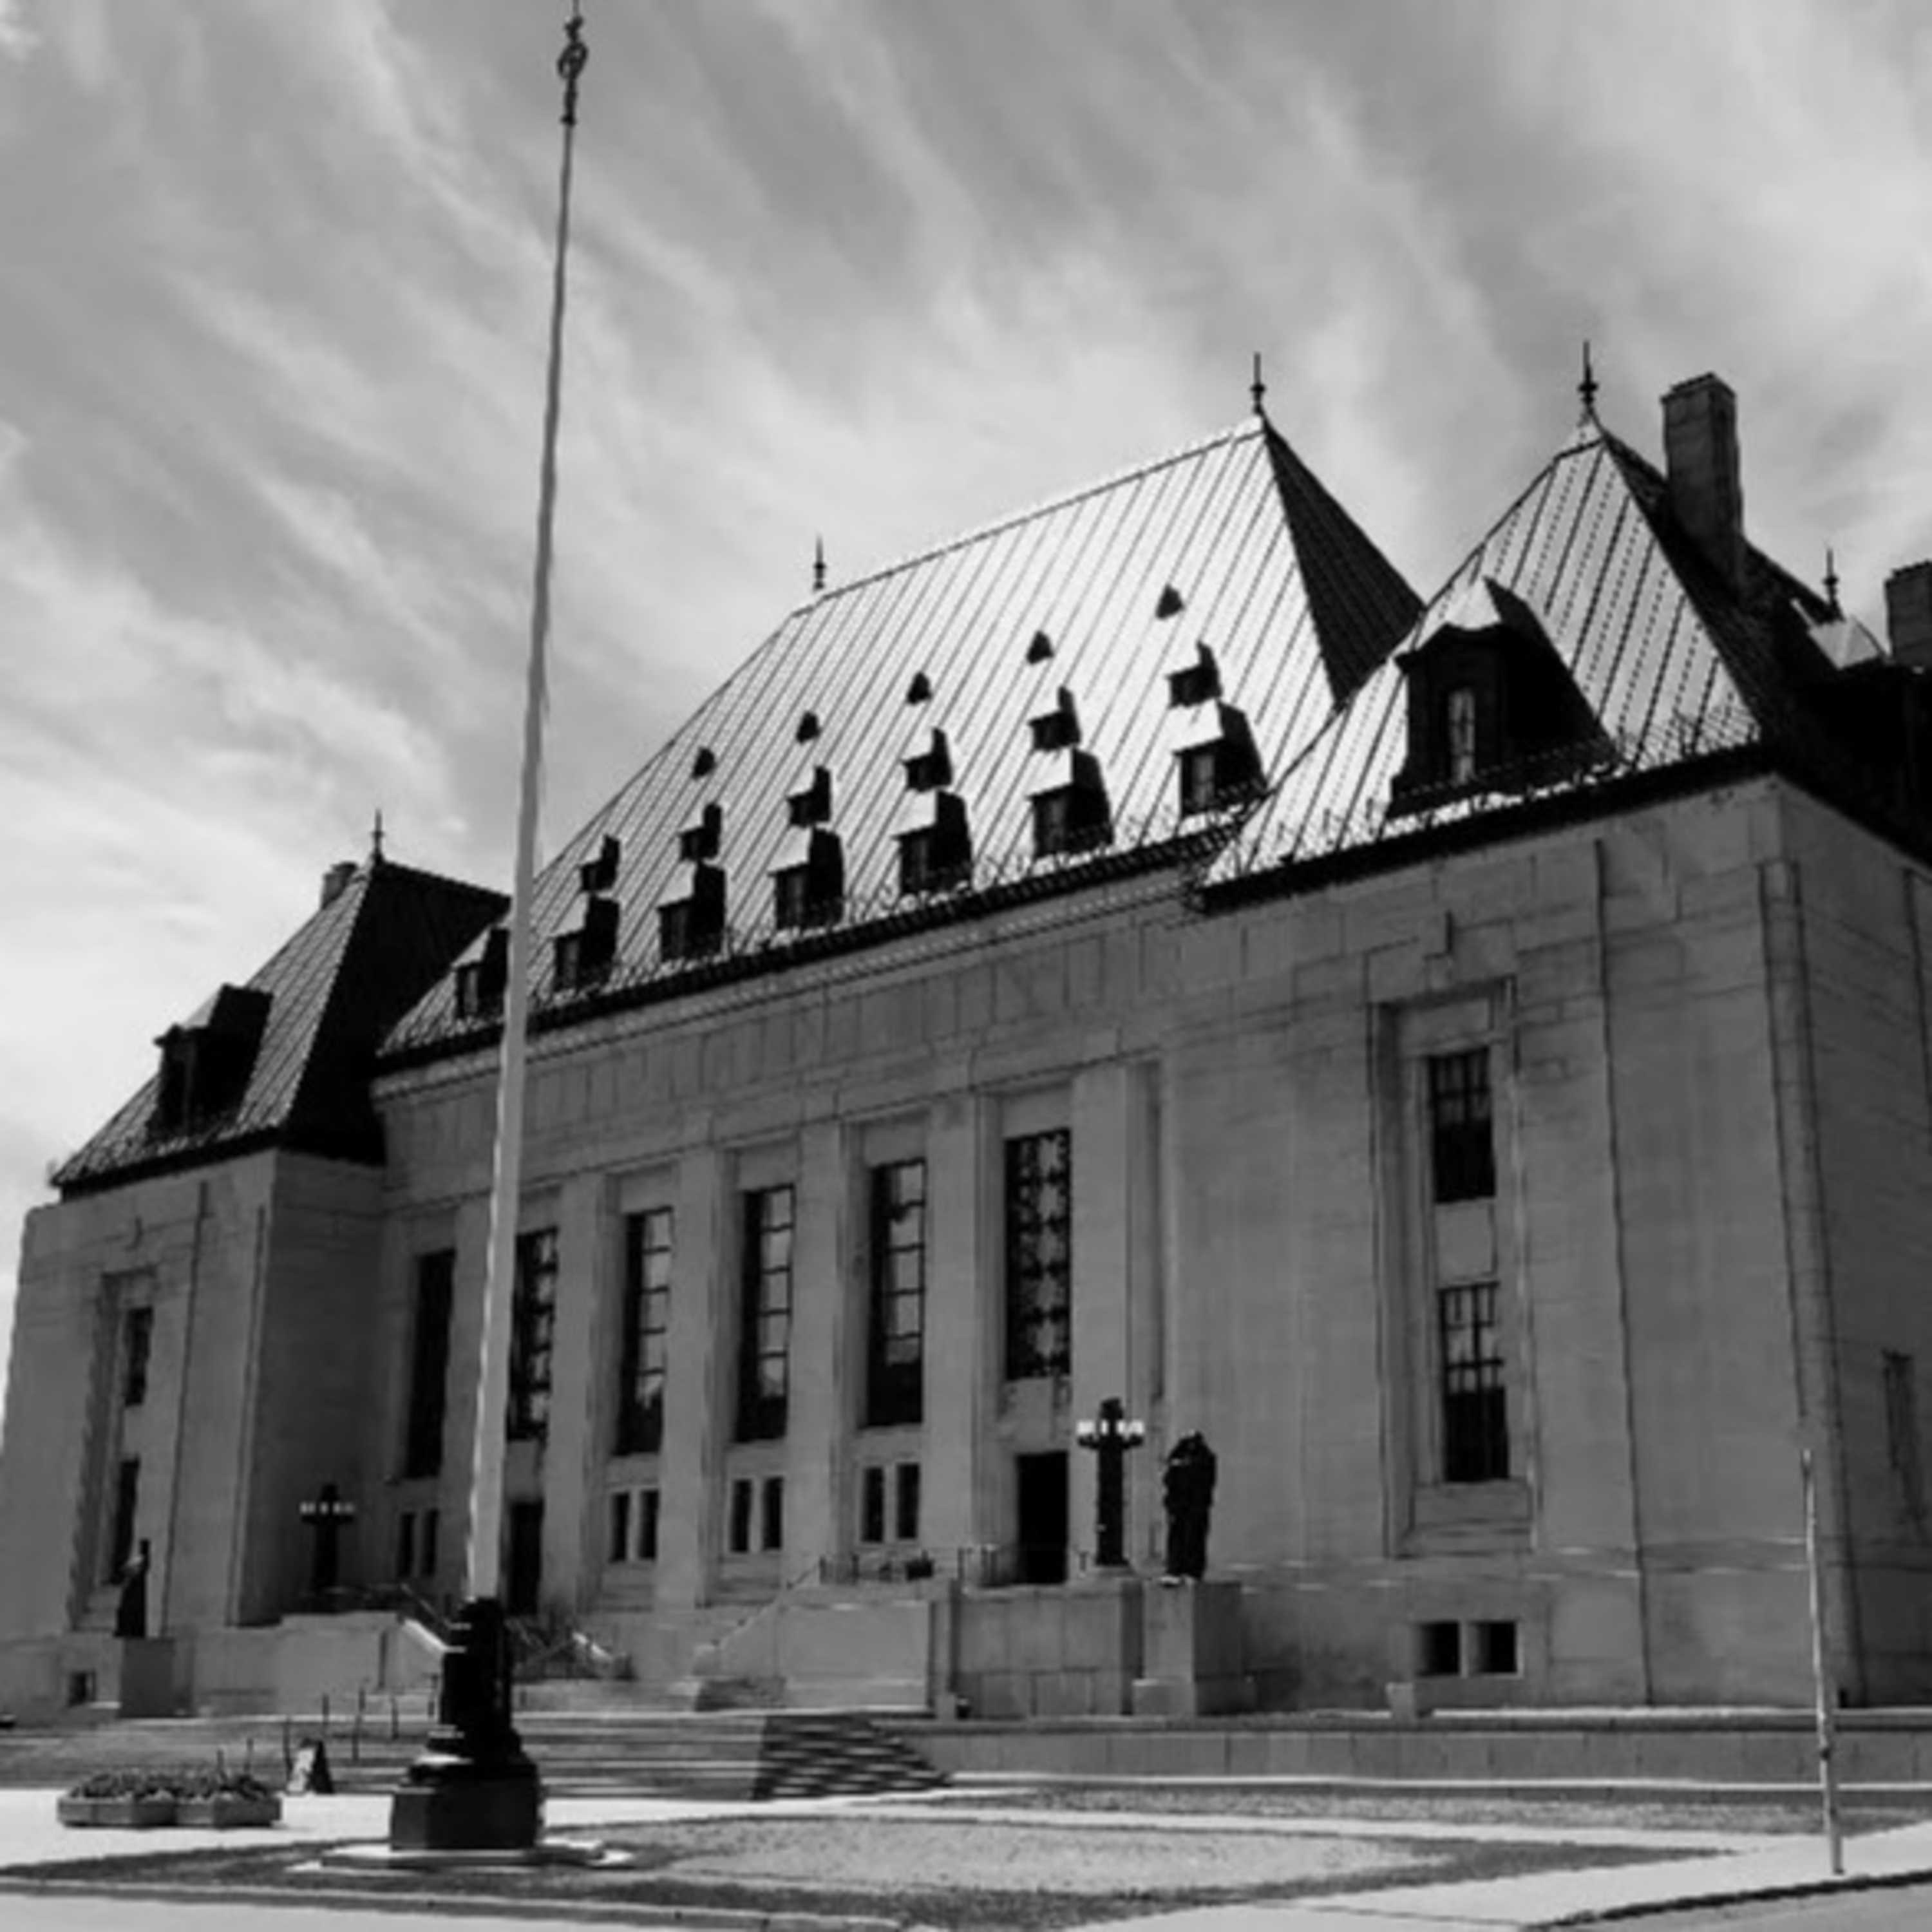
{"x":1827,"y":1695}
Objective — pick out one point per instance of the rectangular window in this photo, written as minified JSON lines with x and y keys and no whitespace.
{"x":137,"y":1339}
{"x":872,"y":1503}
{"x":772,"y":1514}
{"x":127,"y":1502}
{"x":620,"y":1546}
{"x":1901,"y":1432}
{"x":1438,"y":1650}
{"x":905,"y":1499}
{"x":647,"y":1526}
{"x":1461,"y":1143}
{"x":1039,"y":1254}
{"x":1495,"y":1649}
{"x":895,"y":1363}
{"x":764,"y":1330}
{"x":738,"y":1531}
{"x":532,"y":1329}
{"x":647,"y":1246}
{"x":426,"y":1548}
{"x":1460,"y":707}
{"x":1475,"y":1415}
{"x":406,"y":1544}
{"x":429,"y":1364}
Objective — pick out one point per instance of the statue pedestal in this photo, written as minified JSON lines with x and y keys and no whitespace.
{"x":1192,"y":1656}
{"x":148,"y":1677}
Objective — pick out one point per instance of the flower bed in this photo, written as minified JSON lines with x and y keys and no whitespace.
{"x":142,"y":1800}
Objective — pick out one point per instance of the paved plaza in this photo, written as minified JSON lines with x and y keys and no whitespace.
{"x":1370,"y":1872}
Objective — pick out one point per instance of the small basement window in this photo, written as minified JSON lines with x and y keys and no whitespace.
{"x":1496,"y":1653}
{"x":1439,"y":1649}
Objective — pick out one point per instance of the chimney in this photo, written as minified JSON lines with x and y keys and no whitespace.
{"x":1700,"y":457}
{"x":1908,"y":613}
{"x":335,"y":881}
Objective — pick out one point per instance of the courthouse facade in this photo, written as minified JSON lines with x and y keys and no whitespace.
{"x":1469,"y":1059}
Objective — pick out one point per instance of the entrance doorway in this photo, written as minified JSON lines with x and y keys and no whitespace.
{"x":1043,"y":1516}
{"x":523,"y":1568}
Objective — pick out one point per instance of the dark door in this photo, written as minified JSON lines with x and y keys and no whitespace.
{"x":1042,"y":1517}
{"x":523,"y":1580}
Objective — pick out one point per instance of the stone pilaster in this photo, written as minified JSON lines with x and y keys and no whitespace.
{"x":819,"y":1411}
{"x":579,"y":1400}
{"x":697,"y":1382}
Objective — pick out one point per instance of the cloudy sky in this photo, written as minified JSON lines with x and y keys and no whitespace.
{"x":270,"y":339}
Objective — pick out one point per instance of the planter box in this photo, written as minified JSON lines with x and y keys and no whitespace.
{"x":221,"y":1813}
{"x":126,"y":1814}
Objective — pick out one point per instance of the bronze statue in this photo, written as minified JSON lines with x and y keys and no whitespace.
{"x":1187,"y":1491}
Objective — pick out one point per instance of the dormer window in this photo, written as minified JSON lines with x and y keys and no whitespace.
{"x":699,"y":841}
{"x":808,"y":883}
{"x":937,"y":856}
{"x":1492,"y":706}
{"x":1197,"y":683}
{"x":1073,"y":815}
{"x":480,"y":982}
{"x":205,"y":1068}
{"x":583,"y":959}
{"x":600,"y":874}
{"x":693,"y":927}
{"x":1216,"y":758}
{"x":811,"y":804}
{"x":930,"y":770}
{"x":1459,"y":732}
{"x":1057,"y":729}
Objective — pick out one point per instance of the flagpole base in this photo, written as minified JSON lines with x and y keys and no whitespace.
{"x":473,"y":1789}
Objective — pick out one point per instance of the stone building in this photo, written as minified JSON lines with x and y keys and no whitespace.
{"x":1471,"y":1059}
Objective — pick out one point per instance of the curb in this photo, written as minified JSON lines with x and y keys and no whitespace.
{"x":709,"y":1919}
{"x":1717,"y":1900}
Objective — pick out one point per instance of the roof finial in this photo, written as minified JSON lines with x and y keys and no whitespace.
{"x":376,"y":839}
{"x":1257,"y":389}
{"x":817,"y":564}
{"x":570,"y":63}
{"x":1586,"y":390}
{"x":1832,"y":582}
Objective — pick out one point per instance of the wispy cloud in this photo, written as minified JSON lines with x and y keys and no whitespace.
{"x":272,"y":354}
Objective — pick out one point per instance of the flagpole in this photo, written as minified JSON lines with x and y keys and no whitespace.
{"x":483,"y":1566}
{"x":473,"y":1790}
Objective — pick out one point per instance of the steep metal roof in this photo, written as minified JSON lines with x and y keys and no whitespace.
{"x":1673,"y":661}
{"x":334,"y":987}
{"x":1101,"y":595}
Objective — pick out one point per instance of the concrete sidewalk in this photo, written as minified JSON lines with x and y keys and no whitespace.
{"x":30,"y":1834}
{"x":1540,"y":1899}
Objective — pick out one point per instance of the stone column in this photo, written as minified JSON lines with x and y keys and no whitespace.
{"x":960,"y":1503}
{"x":818,"y":1420}
{"x":578,"y":1436}
{"x":1103,"y":1145}
{"x":696,"y":1379}
{"x":459,"y":1420}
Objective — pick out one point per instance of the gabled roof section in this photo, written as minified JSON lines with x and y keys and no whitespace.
{"x":332,"y":991}
{"x":1671,"y":661}
{"x":1232,"y":543}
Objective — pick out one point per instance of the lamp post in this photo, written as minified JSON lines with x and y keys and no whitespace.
{"x":1110,"y":1435}
{"x":327,"y":1516}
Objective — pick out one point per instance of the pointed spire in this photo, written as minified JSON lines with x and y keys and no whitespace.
{"x":376,"y":840}
{"x":1831,"y":583}
{"x":1586,"y":389}
{"x":1257,"y":388}
{"x":818,"y":565}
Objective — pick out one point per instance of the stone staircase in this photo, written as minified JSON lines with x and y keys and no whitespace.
{"x":726,"y":1757}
